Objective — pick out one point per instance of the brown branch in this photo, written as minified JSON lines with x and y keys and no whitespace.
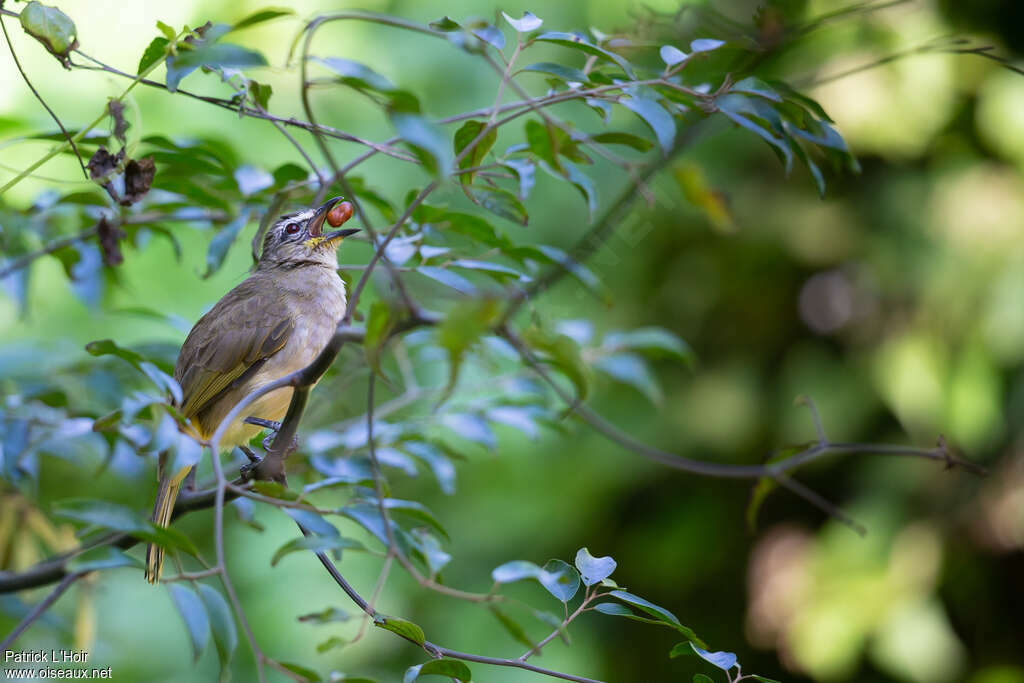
{"x":40,"y":609}
{"x":55,"y":569}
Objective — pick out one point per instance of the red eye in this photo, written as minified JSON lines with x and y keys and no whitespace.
{"x":291,"y":228}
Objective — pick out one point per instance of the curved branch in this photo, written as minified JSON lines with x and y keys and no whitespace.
{"x":433,"y":649}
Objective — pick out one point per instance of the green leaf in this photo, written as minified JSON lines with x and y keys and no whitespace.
{"x":723,"y":660}
{"x":167,"y":538}
{"x":566,"y":73}
{"x":566,"y":354}
{"x":739,"y":109}
{"x":261,"y":93}
{"x":445,"y":24}
{"x":495,"y":270}
{"x":330,"y":644}
{"x":764,"y":679}
{"x":402,"y":627}
{"x":155,"y":51}
{"x":682,"y":649}
{"x":415,"y":510}
{"x":755,"y":86}
{"x":499,"y":202}
{"x":559,"y":579}
{"x":96,"y":559}
{"x":448,"y":278}
{"x":672,"y":55}
{"x":440,"y":464}
{"x":218,"y":55}
{"x":579,"y":42}
{"x":516,"y":570}
{"x":655,"y":342}
{"x":193,"y":612}
{"x":627,"y":139}
{"x":618,"y":610}
{"x":542,"y":143}
{"x":656,"y":117}
{"x":630,"y":369}
{"x":706,"y":45}
{"x":702,"y":678}
{"x":222,"y":625}
{"x":430,"y":547}
{"x":427,"y":141}
{"x":51,"y":27}
{"x":467,"y":134}
{"x":356,"y":75}
{"x":593,"y":569}
{"x":615,"y":609}
{"x":529,"y":22}
{"x":313,"y":522}
{"x":260,"y":16}
{"x":452,"y":668}
{"x":513,"y":627}
{"x":316,"y":544}
{"x":584,"y":184}
{"x":471,"y":427}
{"x":758,"y":494}
{"x":326,"y":616}
{"x":169,"y":32}
{"x":492,"y":36}
{"x":221,"y":242}
{"x":307,"y":673}
{"x":659,"y":612}
{"x":272,"y":489}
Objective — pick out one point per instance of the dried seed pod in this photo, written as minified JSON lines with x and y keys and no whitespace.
{"x":340,"y":213}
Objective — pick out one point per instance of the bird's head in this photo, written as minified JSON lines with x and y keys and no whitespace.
{"x":300,"y":238}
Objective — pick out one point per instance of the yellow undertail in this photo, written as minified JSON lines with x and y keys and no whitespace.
{"x":166,"y":496}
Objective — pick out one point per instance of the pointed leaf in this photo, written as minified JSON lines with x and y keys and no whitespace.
{"x":426,"y":140}
{"x":723,"y":660}
{"x":465,"y":135}
{"x":193,"y":612}
{"x":316,"y":544}
{"x":672,"y":55}
{"x":516,"y":570}
{"x":260,"y":16}
{"x":566,"y":73}
{"x":656,"y":117}
{"x":706,"y":45}
{"x":222,"y":624}
{"x":402,"y":627}
{"x":581,"y":43}
{"x":499,"y":202}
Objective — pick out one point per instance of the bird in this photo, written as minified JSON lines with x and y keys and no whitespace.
{"x":273,"y":323}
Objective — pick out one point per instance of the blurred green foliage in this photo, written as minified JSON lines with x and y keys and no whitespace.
{"x":894,"y":303}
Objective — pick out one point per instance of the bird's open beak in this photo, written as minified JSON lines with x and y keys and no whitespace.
{"x":316,"y":225}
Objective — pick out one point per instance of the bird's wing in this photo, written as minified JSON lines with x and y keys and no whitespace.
{"x":243,"y":329}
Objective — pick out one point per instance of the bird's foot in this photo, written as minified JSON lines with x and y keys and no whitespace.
{"x":272,"y":465}
{"x":268,"y":440}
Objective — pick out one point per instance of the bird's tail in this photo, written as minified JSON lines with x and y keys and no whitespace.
{"x":166,"y":496}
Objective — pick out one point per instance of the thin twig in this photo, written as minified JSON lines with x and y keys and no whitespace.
{"x":53,"y":115}
{"x":40,"y":609}
{"x":436,"y":650}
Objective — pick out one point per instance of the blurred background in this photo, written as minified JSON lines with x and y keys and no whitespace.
{"x":896,"y":303}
